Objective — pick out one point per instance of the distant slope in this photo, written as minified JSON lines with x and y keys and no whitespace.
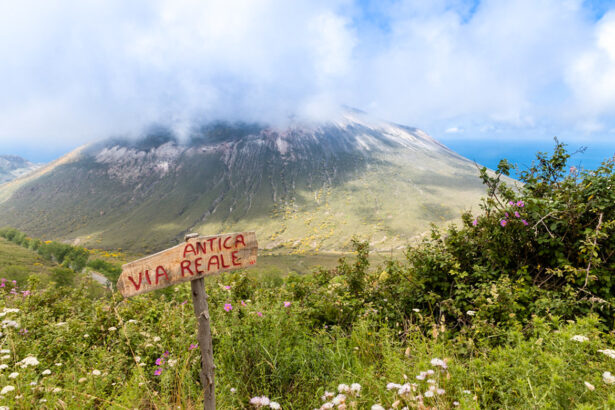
{"x":12,"y":166}
{"x":306,"y":188}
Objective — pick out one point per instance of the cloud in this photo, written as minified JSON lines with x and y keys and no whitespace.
{"x":73,"y":72}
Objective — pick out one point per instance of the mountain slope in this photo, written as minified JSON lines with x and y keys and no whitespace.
{"x":12,"y":166}
{"x":308,"y":187}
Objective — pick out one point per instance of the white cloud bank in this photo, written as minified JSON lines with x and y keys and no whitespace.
{"x":75,"y":71}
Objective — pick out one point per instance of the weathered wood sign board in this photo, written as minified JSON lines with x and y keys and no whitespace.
{"x":194,"y":259}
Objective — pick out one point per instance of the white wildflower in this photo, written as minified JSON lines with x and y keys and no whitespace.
{"x":112,"y":329}
{"x":157,"y":339}
{"x":421,"y":376}
{"x":4,"y":366}
{"x":416,"y":310}
{"x":46,"y":372}
{"x":131,"y":321}
{"x":608,"y":352}
{"x":56,"y":390}
{"x":42,"y":401}
{"x":440,"y":391}
{"x":7,"y":389}
{"x":405,"y":389}
{"x":6,"y":357}
{"x":589,"y":386}
{"x":233,"y":390}
{"x":431,"y":381}
{"x":33,"y":383}
{"x":466,"y":392}
{"x":579,"y":338}
{"x":138,"y":359}
{"x":86,"y":336}
{"x":265,"y":401}
{"x":438,"y":363}
{"x":274,"y":405}
{"x":377,"y":407}
{"x":430,"y":372}
{"x":456,"y":403}
{"x":327,"y":406}
{"x":61,"y":323}
{"x":10,"y":310}
{"x":172,"y":362}
{"x":4,"y":351}
{"x":5,"y":407}
{"x":10,"y":323}
{"x":343,"y":388}
{"x":13,"y":375}
{"x":255,"y":401}
{"x":392,"y":386}
{"x":428,"y":393}
{"x":28,"y":361}
{"x":81,"y":380}
{"x":471,"y":312}
{"x":327,"y":395}
{"x":608,"y":378}
{"x":96,"y":372}
{"x":339,"y":399}
{"x":355,"y":388}
{"x":58,"y":364}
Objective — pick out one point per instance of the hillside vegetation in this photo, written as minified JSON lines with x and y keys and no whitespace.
{"x":512,"y":309}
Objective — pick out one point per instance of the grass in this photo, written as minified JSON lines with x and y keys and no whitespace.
{"x":17,"y":263}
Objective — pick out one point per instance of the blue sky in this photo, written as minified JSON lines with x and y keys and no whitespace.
{"x":481,"y":76}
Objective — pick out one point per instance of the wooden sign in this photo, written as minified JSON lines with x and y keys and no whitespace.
{"x":194,"y":259}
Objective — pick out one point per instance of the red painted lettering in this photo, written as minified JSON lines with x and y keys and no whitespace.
{"x":136,"y":285}
{"x":222,"y":260}
{"x":235,"y":259}
{"x":197,"y":265}
{"x":201,"y":247}
{"x":213,"y":260}
{"x":225,"y":241}
{"x":159,"y":274}
{"x":189,"y":248}
{"x":185,"y":265}
{"x":239,"y":240}
{"x":149,"y":282}
{"x":211,"y":244}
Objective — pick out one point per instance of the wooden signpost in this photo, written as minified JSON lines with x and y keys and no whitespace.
{"x":198,"y":257}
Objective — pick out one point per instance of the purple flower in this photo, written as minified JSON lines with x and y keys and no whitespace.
{"x":475,"y":222}
{"x":517,"y":214}
{"x":520,"y":204}
{"x":23,"y":331}
{"x":14,"y":282}
{"x":287,"y":304}
{"x":227,"y":287}
{"x":243,"y":303}
{"x":159,"y":361}
{"x":506,"y":213}
{"x":260,"y":314}
{"x":158,"y":372}
{"x":2,"y":285}
{"x":503,"y":222}
{"x":183,"y":303}
{"x":524,"y":222}
{"x":25,"y":293}
{"x":228,"y":307}
{"x":511,"y":203}
{"x":193,"y":346}
{"x":166,"y":354}
{"x":13,"y":291}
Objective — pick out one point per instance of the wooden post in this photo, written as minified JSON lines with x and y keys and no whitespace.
{"x":201,"y":311}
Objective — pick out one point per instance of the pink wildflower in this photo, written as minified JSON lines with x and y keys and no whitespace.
{"x":159,"y":361}
{"x":14,"y":282}
{"x":227,"y":287}
{"x":511,"y":203}
{"x":524,"y":222}
{"x":503,"y":222}
{"x":520,"y":204}
{"x":506,"y":213}
{"x":23,"y":331}
{"x":25,"y":293}
{"x":243,"y":303}
{"x":260,"y":314}
{"x":166,"y":354}
{"x":228,"y":307}
{"x":517,"y":214}
{"x":183,"y":303}
{"x":2,"y":285}
{"x":158,"y":372}
{"x":287,"y":304}
{"x":475,"y":222}
{"x":193,"y":346}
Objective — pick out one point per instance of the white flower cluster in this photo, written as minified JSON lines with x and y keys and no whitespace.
{"x":28,"y":361}
{"x":264,"y":401}
{"x":332,"y":400}
{"x":10,"y":323}
{"x":608,"y":378}
{"x":8,"y":310}
{"x":609,"y":352}
{"x":579,"y":338}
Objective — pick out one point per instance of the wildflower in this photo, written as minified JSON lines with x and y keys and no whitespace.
{"x":429,"y":372}
{"x":5,"y":357}
{"x":431,"y":381}
{"x":112,"y":329}
{"x":157,"y":339}
{"x":4,"y":351}
{"x":42,"y":401}
{"x":471,"y":312}
{"x":33,"y":383}
{"x":506,"y":214}
{"x":23,"y":331}
{"x":511,"y":203}
{"x":520,"y":204}
{"x":428,"y":393}
{"x":609,"y":352}
{"x":355,"y":388}
{"x":96,"y":372}
{"x":415,"y":310}
{"x":579,"y":338}
{"x":193,"y":346}
{"x":339,"y":399}
{"x":83,"y":379}
{"x":475,"y":222}
{"x":7,"y":389}
{"x":131,"y":321}
{"x":228,"y":307}
{"x":438,"y":362}
{"x":61,"y":323}
{"x":405,"y":389}
{"x":85,"y":336}
{"x":503,"y":222}
{"x":589,"y":386}
{"x":243,"y":303}
{"x":608,"y":378}
{"x":377,"y":407}
{"x":46,"y":372}
{"x":13,"y":375}
{"x":466,"y":392}
{"x":172,"y":362}
{"x":440,"y":391}
{"x":286,"y":304}
{"x":4,"y":366}
{"x":58,"y":364}
{"x":28,"y":361}
{"x":159,"y":361}
{"x":524,"y":222}
{"x":274,"y":405}
{"x":326,"y":406}
{"x":10,"y":323}
{"x":343,"y":388}
{"x":327,"y":395}
{"x":158,"y":372}
{"x":183,"y":303}
{"x":166,"y":353}
{"x":456,"y":403}
{"x":573,"y":170}
{"x":517,"y":214}
{"x":259,"y":314}
{"x":233,"y":390}
{"x":392,"y":386}
{"x":421,"y":376}
{"x":56,"y":390}
{"x":25,"y":293}
{"x":138,"y":359}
